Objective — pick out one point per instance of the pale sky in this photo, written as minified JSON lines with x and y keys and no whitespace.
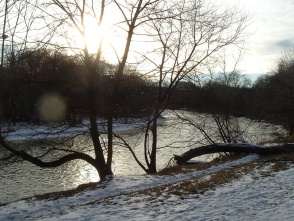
{"x":272,"y":32}
{"x":272,"y":28}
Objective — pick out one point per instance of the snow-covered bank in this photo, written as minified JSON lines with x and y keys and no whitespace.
{"x":63,"y":208}
{"x":252,"y":197}
{"x":24,"y":131}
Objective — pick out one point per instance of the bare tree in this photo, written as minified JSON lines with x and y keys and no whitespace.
{"x":225,"y":102}
{"x":280,"y":94}
{"x":180,"y":37}
{"x":23,"y":29}
{"x":191,"y":34}
{"x":61,"y":18}
{"x":3,"y":37}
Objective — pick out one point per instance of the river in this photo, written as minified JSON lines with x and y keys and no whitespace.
{"x":22,"y":179}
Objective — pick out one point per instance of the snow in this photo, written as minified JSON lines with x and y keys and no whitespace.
{"x":24,"y":131}
{"x":252,"y":197}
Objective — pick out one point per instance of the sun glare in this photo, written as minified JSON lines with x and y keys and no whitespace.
{"x":94,"y":34}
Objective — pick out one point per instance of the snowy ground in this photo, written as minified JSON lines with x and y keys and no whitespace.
{"x":23,"y":131}
{"x":254,"y":196}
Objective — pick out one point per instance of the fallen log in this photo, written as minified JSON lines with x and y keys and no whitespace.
{"x":233,"y":148}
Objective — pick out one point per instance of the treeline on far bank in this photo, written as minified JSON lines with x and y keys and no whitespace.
{"x":30,"y":77}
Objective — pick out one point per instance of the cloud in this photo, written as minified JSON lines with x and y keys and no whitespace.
{"x":284,"y":44}
{"x":273,"y":33}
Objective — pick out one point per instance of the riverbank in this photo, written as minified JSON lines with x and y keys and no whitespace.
{"x":25,"y":180}
{"x":246,"y":188}
{"x":24,"y":131}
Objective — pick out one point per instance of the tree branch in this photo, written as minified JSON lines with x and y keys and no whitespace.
{"x":233,"y":148}
{"x":55,"y":163}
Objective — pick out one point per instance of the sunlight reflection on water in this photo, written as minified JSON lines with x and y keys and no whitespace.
{"x":24,"y":179}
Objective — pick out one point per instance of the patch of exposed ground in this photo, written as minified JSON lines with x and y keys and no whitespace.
{"x":194,"y":185}
{"x":201,"y":184}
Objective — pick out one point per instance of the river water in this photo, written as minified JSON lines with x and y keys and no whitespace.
{"x":20,"y":180}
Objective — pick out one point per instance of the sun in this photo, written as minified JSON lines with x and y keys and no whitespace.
{"x":106,"y":31}
{"x":94,"y":32}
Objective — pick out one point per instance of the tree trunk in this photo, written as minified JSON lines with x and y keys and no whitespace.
{"x":233,"y":148}
{"x":152,"y":166}
{"x":100,"y":163}
{"x":110,"y":143}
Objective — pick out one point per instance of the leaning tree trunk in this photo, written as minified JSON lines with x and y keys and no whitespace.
{"x":233,"y":148}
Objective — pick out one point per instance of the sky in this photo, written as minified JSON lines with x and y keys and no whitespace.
{"x":272,"y":32}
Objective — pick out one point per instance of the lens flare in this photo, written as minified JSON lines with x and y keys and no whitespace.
{"x":52,"y":107}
